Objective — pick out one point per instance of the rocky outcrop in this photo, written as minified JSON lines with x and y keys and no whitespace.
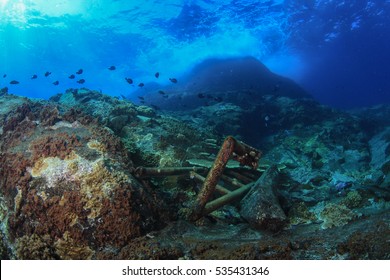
{"x":242,"y":80}
{"x":67,"y":189}
{"x":66,"y":182}
{"x":260,"y":207}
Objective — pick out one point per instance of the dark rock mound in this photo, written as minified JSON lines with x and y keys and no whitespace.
{"x":237,"y":80}
{"x":240,"y":73}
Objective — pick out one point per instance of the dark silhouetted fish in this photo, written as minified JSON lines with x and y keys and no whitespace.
{"x":140,"y":98}
{"x":81,"y":81}
{"x":47,"y":74}
{"x":13,"y":82}
{"x":112,"y":68}
{"x":5,"y":75}
{"x":56,"y":83}
{"x":157,"y":75}
{"x":34,"y":77}
{"x":201,"y":95}
{"x":129,"y":80}
{"x":79,"y":72}
{"x":72,"y":76}
{"x":123,"y":97}
{"x":173,"y":80}
{"x":161,"y":92}
{"x":141,"y":84}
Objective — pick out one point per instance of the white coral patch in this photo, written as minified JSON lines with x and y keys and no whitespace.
{"x":55,"y":170}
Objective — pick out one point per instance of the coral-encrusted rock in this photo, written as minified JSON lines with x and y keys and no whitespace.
{"x":68,"y":187}
{"x":380,"y":150}
{"x":335,"y":215}
{"x":260,"y":207}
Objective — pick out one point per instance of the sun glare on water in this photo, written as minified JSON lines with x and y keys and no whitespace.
{"x":3,"y":3}
{"x":13,"y":11}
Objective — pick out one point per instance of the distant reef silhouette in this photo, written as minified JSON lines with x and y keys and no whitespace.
{"x":237,"y":80}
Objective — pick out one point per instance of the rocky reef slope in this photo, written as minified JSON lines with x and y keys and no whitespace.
{"x":68,"y":189}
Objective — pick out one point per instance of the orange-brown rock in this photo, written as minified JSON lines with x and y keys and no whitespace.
{"x":68,"y":187}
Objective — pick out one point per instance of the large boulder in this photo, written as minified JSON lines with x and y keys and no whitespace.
{"x":66,"y":186}
{"x":260,"y":207}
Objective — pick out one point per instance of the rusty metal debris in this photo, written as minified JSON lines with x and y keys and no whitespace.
{"x":230,"y":149}
{"x":236,"y":182}
{"x":147,"y":172}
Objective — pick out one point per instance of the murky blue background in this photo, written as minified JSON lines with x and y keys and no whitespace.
{"x":337,"y":50}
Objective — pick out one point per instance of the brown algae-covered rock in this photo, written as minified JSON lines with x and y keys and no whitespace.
{"x":68,"y":188}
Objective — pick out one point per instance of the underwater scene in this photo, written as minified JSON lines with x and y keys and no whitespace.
{"x":192,"y":130}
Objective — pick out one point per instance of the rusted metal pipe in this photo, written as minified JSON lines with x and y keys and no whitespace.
{"x":225,"y":199}
{"x":146,"y":172}
{"x":232,"y":181}
{"x":200,"y":178}
{"x":231,"y":148}
{"x":240,"y":176}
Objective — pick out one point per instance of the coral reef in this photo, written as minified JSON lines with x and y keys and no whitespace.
{"x":353,"y":199}
{"x":364,"y":245}
{"x":335,"y":215}
{"x":299,"y":214}
{"x":67,"y":189}
{"x":358,"y":240}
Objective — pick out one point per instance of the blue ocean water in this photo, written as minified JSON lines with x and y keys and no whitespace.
{"x":336,"y":50}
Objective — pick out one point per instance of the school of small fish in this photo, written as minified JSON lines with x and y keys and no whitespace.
{"x":129,"y":80}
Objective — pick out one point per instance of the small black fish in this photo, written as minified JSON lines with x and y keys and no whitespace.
{"x":13,"y":82}
{"x":123,"y":97}
{"x":112,"y":68}
{"x":47,"y":74}
{"x":129,"y":80}
{"x":34,"y":77}
{"x":201,"y":95}
{"x":173,"y":80}
{"x":56,"y":83}
{"x":5,"y":75}
{"x":141,"y":98}
{"x":161,"y":92}
{"x":157,"y":74}
{"x":81,"y":81}
{"x":72,"y":76}
{"x":141,"y":84}
{"x":79,"y":72}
